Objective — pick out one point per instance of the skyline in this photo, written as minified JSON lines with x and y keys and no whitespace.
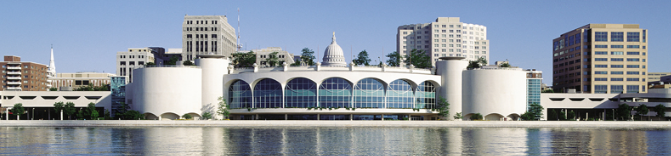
{"x":81,"y":29}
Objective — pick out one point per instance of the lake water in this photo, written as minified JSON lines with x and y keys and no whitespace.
{"x":331,"y":141}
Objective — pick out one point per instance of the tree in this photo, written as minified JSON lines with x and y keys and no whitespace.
{"x":419,"y":58}
{"x":443,"y":107}
{"x":188,"y":63}
{"x":186,"y":116}
{"x":476,"y":116}
{"x":458,"y":115}
{"x":548,"y":91}
{"x":504,"y":65}
{"x":88,"y":112}
{"x":362,"y":58}
{"x":661,"y":111}
{"x":536,"y":110}
{"x":562,"y":115}
{"x":223,"y":108}
{"x":172,"y":61}
{"x":571,"y":115}
{"x":207,"y":115}
{"x":641,"y":110}
{"x":107,"y":115}
{"x":395,"y":59}
{"x":272,"y":59}
{"x":297,"y":62}
{"x":53,"y":89}
{"x":58,"y":107}
{"x":69,"y":109}
{"x":307,"y":56}
{"x":94,"y":115}
{"x":527,"y":116}
{"x":150,"y":64}
{"x":478,"y":63}
{"x":132,"y":115}
{"x":18,"y":110}
{"x":80,"y":114}
{"x":552,"y":115}
{"x":624,"y":111}
{"x":244,"y":59}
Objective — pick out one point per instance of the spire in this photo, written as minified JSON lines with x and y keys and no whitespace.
{"x":52,"y":65}
{"x":333,"y":38}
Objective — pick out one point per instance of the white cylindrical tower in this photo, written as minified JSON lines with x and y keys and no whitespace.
{"x":450,"y":69}
{"x":166,"y":92}
{"x":495,"y":93}
{"x":214,"y":67}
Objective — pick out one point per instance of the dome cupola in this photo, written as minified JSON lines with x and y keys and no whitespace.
{"x":333,"y":55}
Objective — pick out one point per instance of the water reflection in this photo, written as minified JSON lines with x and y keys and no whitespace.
{"x":331,"y":141}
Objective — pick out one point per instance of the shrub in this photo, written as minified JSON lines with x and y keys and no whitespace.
{"x":476,"y":116}
{"x":187,"y":116}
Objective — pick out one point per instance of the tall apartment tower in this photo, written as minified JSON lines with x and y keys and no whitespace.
{"x":23,"y":76}
{"x":601,"y":58}
{"x":209,"y":35}
{"x":447,"y":36}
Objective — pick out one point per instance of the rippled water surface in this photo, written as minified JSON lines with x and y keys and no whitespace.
{"x":332,"y":141}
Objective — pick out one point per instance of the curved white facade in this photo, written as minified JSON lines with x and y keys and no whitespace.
{"x":167,"y":91}
{"x":213,"y":70}
{"x":494,"y":93}
{"x":451,"y":77}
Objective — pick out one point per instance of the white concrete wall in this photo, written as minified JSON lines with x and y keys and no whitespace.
{"x":451,"y":78}
{"x":499,"y":91}
{"x":160,"y":90}
{"x":100,"y":98}
{"x":213,"y":70}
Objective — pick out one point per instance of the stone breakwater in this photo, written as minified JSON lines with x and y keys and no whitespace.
{"x":323,"y":123}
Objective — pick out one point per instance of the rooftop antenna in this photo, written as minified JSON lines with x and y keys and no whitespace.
{"x":238,"y":40}
{"x":351,"y":53}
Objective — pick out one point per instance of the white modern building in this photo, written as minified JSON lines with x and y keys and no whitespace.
{"x":207,"y":35}
{"x":446,"y":37}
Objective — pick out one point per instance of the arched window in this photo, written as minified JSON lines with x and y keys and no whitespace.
{"x":240,"y":95}
{"x":369,"y":93}
{"x":300,"y":93}
{"x":399,"y":94}
{"x":268,"y":94}
{"x":425,"y":95}
{"x":335,"y":92}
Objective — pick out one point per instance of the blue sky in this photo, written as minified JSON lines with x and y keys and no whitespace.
{"x":87,"y":34}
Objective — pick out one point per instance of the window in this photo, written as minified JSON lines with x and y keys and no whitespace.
{"x":600,"y":72}
{"x":600,"y":66}
{"x":616,"y":66}
{"x":632,"y":73}
{"x":335,"y":92}
{"x":633,"y":66}
{"x":632,"y":79}
{"x":616,"y":46}
{"x":600,"y":36}
{"x":632,"y":60}
{"x":600,"y":79}
{"x":617,"y":53}
{"x":633,"y":46}
{"x":616,"y":72}
{"x":399,"y":94}
{"x":301,"y":93}
{"x":601,"y":53}
{"x":600,"y":89}
{"x":617,"y":59}
{"x":616,"y":88}
{"x":633,"y":36}
{"x":632,"y":89}
{"x":600,"y":59}
{"x":600,"y":46}
{"x":616,"y":36}
{"x":240,"y":95}
{"x":405,"y":33}
{"x":633,"y":53}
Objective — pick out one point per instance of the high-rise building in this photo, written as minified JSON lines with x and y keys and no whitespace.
{"x":133,"y":58}
{"x":601,"y":58}
{"x":208,"y":35}
{"x":534,"y":83}
{"x":23,"y":76}
{"x":447,"y":36}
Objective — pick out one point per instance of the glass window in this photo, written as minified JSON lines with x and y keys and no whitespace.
{"x":616,"y":79}
{"x":601,"y":53}
{"x":633,"y":53}
{"x":616,"y":46}
{"x":633,"y":59}
{"x":268,"y":94}
{"x":616,"y":89}
{"x":399,"y":94}
{"x":369,"y":93}
{"x":600,"y":89}
{"x":425,"y":95}
{"x":616,"y":72}
{"x":600,"y":72}
{"x":632,"y":79}
{"x":616,"y":66}
{"x":617,"y":59}
{"x":600,"y":59}
{"x":632,"y":88}
{"x":600,"y":46}
{"x":633,"y":36}
{"x":617,"y":53}
{"x":600,"y":36}
{"x":240,"y":95}
{"x":616,"y":36}
{"x":335,"y":92}
{"x":633,"y":46}
{"x":600,"y":66}
{"x":632,"y":73}
{"x":300,"y":93}
{"x":633,"y":66}
{"x":600,"y":79}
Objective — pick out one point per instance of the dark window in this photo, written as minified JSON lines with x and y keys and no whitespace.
{"x":616,"y":36}
{"x":601,"y":36}
{"x":633,"y":36}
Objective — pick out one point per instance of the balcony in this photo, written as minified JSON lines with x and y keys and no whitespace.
{"x":14,"y":88}
{"x":14,"y":78}
{"x":13,"y":73}
{"x":14,"y":68}
{"x":14,"y":83}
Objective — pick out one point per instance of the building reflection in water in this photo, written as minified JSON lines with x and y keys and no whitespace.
{"x":331,"y":141}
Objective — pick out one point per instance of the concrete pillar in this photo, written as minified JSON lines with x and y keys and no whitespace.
{"x":451,"y":70}
{"x":213,"y":71}
{"x":317,"y":116}
{"x":62,"y":114}
{"x":286,"y":116}
{"x":382,"y":117}
{"x":409,"y":117}
{"x":350,"y":117}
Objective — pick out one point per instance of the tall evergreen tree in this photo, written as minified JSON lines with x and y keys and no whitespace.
{"x":362,"y":58}
{"x":419,"y":58}
{"x":395,"y":59}
{"x":307,"y":56}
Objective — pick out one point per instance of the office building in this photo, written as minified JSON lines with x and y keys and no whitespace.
{"x":207,"y":35}
{"x":126,"y":61}
{"x":263,"y":54}
{"x":76,"y":80}
{"x":447,"y":36}
{"x":23,"y":76}
{"x":601,"y":58}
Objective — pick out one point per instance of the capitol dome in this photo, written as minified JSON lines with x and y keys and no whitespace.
{"x":333,"y":55}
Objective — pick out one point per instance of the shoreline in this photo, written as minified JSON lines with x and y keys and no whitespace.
{"x":323,"y":123}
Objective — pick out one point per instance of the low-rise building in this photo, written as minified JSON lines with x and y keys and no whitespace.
{"x":262,"y":56}
{"x":76,"y":80}
{"x":23,"y":76}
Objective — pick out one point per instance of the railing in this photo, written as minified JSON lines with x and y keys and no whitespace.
{"x":19,"y":68}
{"x":14,"y":78}
{"x":519,"y":69}
{"x":14,"y":83}
{"x":13,"y":73}
{"x":165,"y":66}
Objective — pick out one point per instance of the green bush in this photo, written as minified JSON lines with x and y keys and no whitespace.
{"x":476,"y":116}
{"x":187,"y":116}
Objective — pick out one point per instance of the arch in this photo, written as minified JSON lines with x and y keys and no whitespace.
{"x":267,"y":94}
{"x":150,"y":116}
{"x":195,"y":116}
{"x":513,"y":117}
{"x":494,"y":117}
{"x":335,"y":92}
{"x":400,"y":94}
{"x":369,"y":93}
{"x":169,"y":116}
{"x":468,"y":116}
{"x":240,"y":95}
{"x":425,"y":95}
{"x":300,"y":93}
